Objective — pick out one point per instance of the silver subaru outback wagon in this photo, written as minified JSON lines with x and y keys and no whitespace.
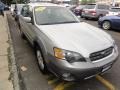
{"x":70,"y":49}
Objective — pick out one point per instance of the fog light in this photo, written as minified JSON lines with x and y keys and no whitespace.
{"x":68,"y":77}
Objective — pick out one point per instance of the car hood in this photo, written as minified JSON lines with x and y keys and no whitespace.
{"x":80,"y":37}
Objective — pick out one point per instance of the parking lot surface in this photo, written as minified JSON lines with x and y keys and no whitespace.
{"x":33,"y":79}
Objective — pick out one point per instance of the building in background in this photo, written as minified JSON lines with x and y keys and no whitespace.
{"x":111,"y":2}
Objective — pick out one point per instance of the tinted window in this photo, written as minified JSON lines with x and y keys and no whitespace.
{"x":90,"y":6}
{"x":115,"y":9}
{"x":103,"y":7}
{"x":54,"y":15}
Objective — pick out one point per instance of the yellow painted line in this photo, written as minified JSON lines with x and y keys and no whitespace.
{"x":63,"y":85}
{"x":105,"y":82}
{"x":68,"y":84}
{"x":49,"y":77}
{"x":60,"y":86}
{"x":52,"y":81}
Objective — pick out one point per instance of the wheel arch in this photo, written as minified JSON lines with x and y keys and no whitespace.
{"x":38,"y":43}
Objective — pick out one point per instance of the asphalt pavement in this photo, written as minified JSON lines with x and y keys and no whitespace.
{"x":33,"y":79}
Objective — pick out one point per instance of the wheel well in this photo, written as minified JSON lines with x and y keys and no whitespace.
{"x":106,"y":20}
{"x":36,"y":45}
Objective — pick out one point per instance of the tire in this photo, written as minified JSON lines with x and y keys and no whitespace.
{"x":106,"y":25}
{"x":41,"y":62}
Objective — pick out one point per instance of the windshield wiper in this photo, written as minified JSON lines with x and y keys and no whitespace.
{"x":59,"y":22}
{"x":70,"y":22}
{"x":47,"y":23}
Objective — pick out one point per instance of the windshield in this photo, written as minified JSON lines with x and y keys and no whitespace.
{"x":115,"y":9}
{"x":54,"y":15}
{"x":90,"y":6}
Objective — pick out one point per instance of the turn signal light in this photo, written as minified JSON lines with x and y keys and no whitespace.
{"x":58,"y":53}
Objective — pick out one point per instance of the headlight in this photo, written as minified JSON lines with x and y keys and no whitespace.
{"x":70,"y":56}
{"x":113,"y":41}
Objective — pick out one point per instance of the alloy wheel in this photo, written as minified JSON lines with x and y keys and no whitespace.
{"x":40,"y":60}
{"x":106,"y":25}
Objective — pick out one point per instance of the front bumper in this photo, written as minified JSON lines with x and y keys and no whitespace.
{"x":81,"y":70}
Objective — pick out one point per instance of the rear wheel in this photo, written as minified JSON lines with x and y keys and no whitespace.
{"x":106,"y":25}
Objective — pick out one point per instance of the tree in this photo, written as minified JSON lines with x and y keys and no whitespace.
{"x":84,"y":1}
{"x":91,"y":1}
{"x":87,"y":1}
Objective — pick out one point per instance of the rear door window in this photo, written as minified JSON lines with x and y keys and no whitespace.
{"x":106,"y":7}
{"x":90,"y":6}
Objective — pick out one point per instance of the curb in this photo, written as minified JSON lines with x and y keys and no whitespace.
{"x":13,"y":69}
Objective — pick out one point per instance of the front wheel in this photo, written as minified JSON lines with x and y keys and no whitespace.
{"x":106,"y":25}
{"x":41,"y":61}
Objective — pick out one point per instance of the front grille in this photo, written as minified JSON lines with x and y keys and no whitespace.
{"x":101,"y":54}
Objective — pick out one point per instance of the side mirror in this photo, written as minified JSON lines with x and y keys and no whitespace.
{"x":27,"y":19}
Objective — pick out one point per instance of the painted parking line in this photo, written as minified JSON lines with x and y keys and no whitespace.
{"x":63,"y":85}
{"x":53,"y":81}
{"x":60,"y":86}
{"x":105,"y":82}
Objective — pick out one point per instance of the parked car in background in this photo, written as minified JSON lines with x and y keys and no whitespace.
{"x":108,"y":22}
{"x":17,"y":11}
{"x":72,"y":7}
{"x":113,"y":11}
{"x":95,"y":10}
{"x":12,"y":7}
{"x":70,"y":49}
{"x":78,"y":10}
{"x":6,"y":7}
